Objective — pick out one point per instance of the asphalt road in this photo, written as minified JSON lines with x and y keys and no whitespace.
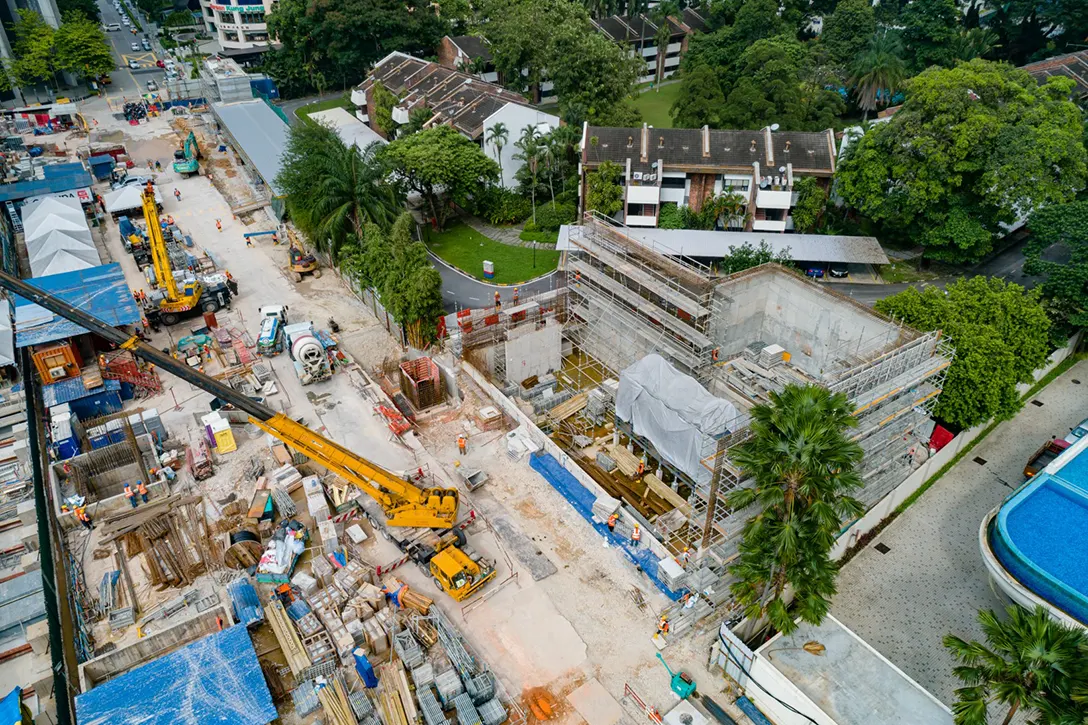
{"x":128,"y":82}
{"x":460,"y":291}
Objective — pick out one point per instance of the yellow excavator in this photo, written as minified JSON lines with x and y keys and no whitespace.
{"x":403,"y":503}
{"x":176,"y":304}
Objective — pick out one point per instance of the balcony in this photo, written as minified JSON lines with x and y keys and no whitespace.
{"x":643,"y":195}
{"x":768,"y":225}
{"x":641,"y":221}
{"x":358,"y":98}
{"x":767,"y":199}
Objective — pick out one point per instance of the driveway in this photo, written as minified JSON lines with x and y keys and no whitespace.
{"x":459,"y":291}
{"x":930,"y":581}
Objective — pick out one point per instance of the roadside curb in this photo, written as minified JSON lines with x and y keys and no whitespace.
{"x":435,"y":258}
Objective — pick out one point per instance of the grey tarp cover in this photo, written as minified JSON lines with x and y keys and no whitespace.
{"x":674,"y":412}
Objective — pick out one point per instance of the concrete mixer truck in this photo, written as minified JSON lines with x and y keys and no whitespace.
{"x":309,"y":356}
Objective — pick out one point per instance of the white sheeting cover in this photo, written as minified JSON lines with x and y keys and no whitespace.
{"x":674,"y":412}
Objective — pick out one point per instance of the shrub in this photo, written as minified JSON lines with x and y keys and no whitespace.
{"x":539,"y":237}
{"x":500,"y":206}
{"x":550,"y":216}
{"x":671,"y":217}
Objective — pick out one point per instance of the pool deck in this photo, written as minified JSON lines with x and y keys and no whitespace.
{"x":931,"y":581}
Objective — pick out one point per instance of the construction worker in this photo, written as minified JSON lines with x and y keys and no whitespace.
{"x":150,"y":165}
{"x":158,"y":167}
{"x":516,"y":295}
{"x":142,"y":490}
{"x":177,"y":193}
{"x":685,"y":557}
{"x":714,"y":355}
{"x":641,"y":469}
{"x":498,"y":301}
{"x":131,"y":495}
{"x":462,"y":444}
{"x":275,"y":239}
{"x":636,"y":536}
{"x":663,"y":624}
{"x":578,"y":279}
{"x":81,"y":515}
{"x":219,"y":226}
{"x":612,"y":520}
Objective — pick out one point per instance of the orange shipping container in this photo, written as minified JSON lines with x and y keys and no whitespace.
{"x":57,"y":362}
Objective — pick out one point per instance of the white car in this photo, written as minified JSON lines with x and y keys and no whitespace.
{"x":134,"y":65}
{"x":125,"y":21}
{"x":135,"y":47}
{"x":113,"y":26}
{"x":1077,"y":433}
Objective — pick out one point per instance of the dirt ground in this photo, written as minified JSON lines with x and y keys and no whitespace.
{"x":555,"y":635}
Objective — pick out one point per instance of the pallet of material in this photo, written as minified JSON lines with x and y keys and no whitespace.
{"x":625,"y":460}
{"x":568,"y":408}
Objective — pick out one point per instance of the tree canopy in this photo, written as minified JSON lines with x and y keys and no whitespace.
{"x":972,"y":147}
{"x":603,"y":191}
{"x":81,"y":47}
{"x":325,"y":44}
{"x":33,"y":49}
{"x":800,"y":460}
{"x":930,"y":28}
{"x":847,"y":31}
{"x":1001,"y":334}
{"x":442,"y":166}
{"x":1058,"y":248}
{"x":333,"y":189}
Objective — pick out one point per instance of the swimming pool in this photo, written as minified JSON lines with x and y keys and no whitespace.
{"x":1035,"y":545}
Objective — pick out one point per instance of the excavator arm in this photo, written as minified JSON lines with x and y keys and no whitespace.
{"x":403,"y":503}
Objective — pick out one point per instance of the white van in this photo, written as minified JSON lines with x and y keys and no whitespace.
{"x":113,"y":26}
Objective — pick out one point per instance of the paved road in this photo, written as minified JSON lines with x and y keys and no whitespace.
{"x":930,"y":579}
{"x":460,"y":291}
{"x":127,"y":82}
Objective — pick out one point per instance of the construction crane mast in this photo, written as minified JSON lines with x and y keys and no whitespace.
{"x":177,"y":304}
{"x":403,"y":503}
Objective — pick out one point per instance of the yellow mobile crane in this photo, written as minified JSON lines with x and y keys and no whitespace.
{"x":404,"y":504}
{"x":176,"y":304}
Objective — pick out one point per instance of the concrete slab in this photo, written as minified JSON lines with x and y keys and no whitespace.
{"x":525,"y":551}
{"x":595,"y":705}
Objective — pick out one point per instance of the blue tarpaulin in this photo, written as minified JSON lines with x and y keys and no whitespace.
{"x":582,"y":501}
{"x":64,"y":182}
{"x":10,"y":707}
{"x":98,"y":291}
{"x":216,"y":679}
{"x":243,"y":598}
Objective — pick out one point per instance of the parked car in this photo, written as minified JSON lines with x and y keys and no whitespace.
{"x":134,"y":65}
{"x":815,"y":272}
{"x":111,"y":27}
{"x":1044,"y":456}
{"x":104,"y":80}
{"x":839,"y":271}
{"x":1077,"y":433}
{"x":147,"y":45}
{"x":152,"y":86}
{"x":135,"y":47}
{"x":125,"y":20}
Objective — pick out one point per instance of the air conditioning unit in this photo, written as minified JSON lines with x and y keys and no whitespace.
{"x":57,"y":373}
{"x":636,"y":176}
{"x":651,"y":177}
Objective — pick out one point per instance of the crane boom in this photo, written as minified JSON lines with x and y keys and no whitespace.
{"x":404,"y":504}
{"x":164,"y":272}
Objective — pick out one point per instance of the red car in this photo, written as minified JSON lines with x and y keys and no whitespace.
{"x":160,"y":64}
{"x":1044,"y":456}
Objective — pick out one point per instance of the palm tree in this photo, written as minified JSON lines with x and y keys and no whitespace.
{"x":497,"y":136}
{"x":878,"y":72}
{"x":975,"y":43}
{"x":529,"y":145}
{"x":664,"y":33}
{"x":551,"y":151}
{"x":1028,"y":661}
{"x":800,"y":464}
{"x":334,"y":189}
{"x":566,"y":140}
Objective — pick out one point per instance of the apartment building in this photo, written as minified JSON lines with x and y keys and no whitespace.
{"x":639,"y":34}
{"x":455,"y":98}
{"x":238,"y":25}
{"x":472,"y":55}
{"x":688,"y":166}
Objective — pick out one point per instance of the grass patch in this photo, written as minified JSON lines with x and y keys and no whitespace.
{"x":551,"y":238}
{"x":465,"y":248}
{"x":899,"y":272}
{"x":654,"y":105}
{"x":343,"y":101}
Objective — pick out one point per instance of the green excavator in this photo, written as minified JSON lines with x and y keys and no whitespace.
{"x":187,"y":158}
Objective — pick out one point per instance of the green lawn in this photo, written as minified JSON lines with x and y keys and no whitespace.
{"x":343,"y":101}
{"x":654,"y":105}
{"x":466,"y":249}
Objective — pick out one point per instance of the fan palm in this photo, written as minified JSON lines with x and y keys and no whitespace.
{"x":878,"y":72}
{"x":800,"y":463}
{"x":1028,"y":661}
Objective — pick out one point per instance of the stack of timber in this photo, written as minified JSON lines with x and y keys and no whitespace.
{"x":568,"y":408}
{"x":287,"y":637}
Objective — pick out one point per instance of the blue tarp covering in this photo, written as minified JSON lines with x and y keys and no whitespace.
{"x":243,"y":597}
{"x":582,"y":501}
{"x":98,"y":291}
{"x":59,"y":171}
{"x":65,"y":391}
{"x":26,"y":189}
{"x":216,"y":679}
{"x":10,"y":706}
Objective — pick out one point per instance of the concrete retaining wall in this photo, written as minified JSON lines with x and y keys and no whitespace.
{"x":915,"y":480}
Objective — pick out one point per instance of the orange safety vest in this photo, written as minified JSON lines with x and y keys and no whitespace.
{"x":636,"y":534}
{"x":461,"y":441}
{"x":641,"y":468}
{"x":613,"y":519}
{"x":81,"y":514}
{"x":128,"y":491}
{"x":142,"y":489}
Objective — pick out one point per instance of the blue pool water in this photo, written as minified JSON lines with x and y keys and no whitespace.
{"x":1040,"y":536}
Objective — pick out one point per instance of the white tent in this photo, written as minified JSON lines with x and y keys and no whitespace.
{"x":127,"y":198}
{"x":7,"y":337}
{"x":57,"y":237}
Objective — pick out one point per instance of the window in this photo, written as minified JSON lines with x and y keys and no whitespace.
{"x":733,"y":184}
{"x":673,"y":182}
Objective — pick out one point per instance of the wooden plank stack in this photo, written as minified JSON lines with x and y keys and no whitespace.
{"x":568,"y":408}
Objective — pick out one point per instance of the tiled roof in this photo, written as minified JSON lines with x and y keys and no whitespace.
{"x":472,"y":46}
{"x":457,"y":99}
{"x":684,"y":148}
{"x":1072,"y":65}
{"x":693,"y":19}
